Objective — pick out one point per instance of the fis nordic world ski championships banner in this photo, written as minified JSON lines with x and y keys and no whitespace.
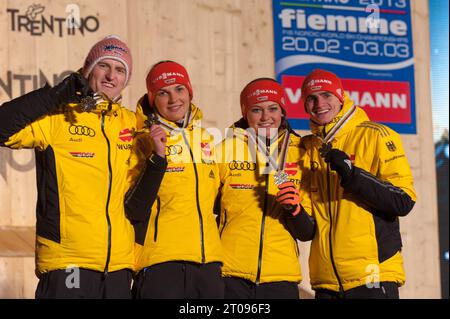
{"x":367,"y":43}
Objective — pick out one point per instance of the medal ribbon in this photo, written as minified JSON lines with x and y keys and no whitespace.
{"x":339,"y":125}
{"x":270,"y":158}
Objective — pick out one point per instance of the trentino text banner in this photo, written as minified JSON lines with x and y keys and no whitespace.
{"x":367,"y":43}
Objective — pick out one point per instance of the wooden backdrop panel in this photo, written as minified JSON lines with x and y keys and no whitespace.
{"x":224,"y":44}
{"x":17,"y":279}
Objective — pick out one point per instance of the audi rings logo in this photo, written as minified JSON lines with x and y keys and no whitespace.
{"x":81,"y":130}
{"x":174,"y":150}
{"x":241,"y":166}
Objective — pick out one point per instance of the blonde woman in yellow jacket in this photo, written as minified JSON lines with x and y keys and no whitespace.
{"x":360,"y":183}
{"x":178,"y":250}
{"x":260,"y":221}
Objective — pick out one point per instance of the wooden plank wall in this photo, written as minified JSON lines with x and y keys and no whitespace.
{"x":224,"y":44}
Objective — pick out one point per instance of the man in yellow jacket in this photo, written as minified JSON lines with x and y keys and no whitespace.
{"x":84,"y":242}
{"x":178,"y":251}
{"x":359,"y":182}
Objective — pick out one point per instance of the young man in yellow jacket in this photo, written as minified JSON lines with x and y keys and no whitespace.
{"x":178,"y":251}
{"x":359,"y":182}
{"x":260,"y":212}
{"x":84,"y":242}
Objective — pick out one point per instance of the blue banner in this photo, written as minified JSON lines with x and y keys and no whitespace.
{"x":367,"y":43}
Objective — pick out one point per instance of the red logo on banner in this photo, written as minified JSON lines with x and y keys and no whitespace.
{"x":126,"y":135}
{"x":383,"y":101}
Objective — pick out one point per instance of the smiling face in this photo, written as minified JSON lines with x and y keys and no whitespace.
{"x":108,"y":77}
{"x":322,"y":107}
{"x":264,"y":116}
{"x":172,"y":102}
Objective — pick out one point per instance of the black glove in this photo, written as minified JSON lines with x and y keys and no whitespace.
{"x":339,"y":162}
{"x":71,"y":90}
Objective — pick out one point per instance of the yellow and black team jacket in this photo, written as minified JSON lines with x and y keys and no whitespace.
{"x":357,"y":241}
{"x":81,"y":164}
{"x":254,"y":228}
{"x":180,"y":225}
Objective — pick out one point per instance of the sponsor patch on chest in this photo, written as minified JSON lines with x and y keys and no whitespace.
{"x":175,"y":169}
{"x":82,"y":154}
{"x":241,"y":186}
{"x":126,"y":135}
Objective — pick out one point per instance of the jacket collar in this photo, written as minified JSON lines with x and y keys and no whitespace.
{"x":348,"y":117}
{"x":275,"y":152}
{"x":107,"y":106}
{"x":101,"y":107}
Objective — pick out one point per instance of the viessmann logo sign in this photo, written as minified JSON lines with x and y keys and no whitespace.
{"x":383,"y":101}
{"x":38,"y":20}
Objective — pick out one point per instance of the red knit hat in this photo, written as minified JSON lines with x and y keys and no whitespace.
{"x":321,"y":80}
{"x":260,"y":90}
{"x":110,"y":47}
{"x":166,"y":73}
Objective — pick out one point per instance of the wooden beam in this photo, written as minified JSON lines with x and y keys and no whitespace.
{"x":17,"y":241}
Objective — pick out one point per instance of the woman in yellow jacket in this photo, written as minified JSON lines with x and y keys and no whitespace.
{"x":178,"y":250}
{"x":257,"y":217}
{"x":360,"y":183}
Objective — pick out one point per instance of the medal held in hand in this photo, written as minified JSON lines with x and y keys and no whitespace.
{"x":151,"y":120}
{"x":280,"y":177}
{"x":326,"y":147}
{"x":89,"y":103}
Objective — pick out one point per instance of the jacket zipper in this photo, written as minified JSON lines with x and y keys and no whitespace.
{"x":202,"y":243}
{"x":263,"y":223}
{"x":108,"y":255}
{"x":224,"y":222}
{"x":341,"y":289}
{"x":158,"y":208}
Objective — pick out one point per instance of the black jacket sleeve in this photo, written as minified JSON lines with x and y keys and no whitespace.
{"x":141,"y":196}
{"x":301,"y":226}
{"x":21,"y":111}
{"x":385,"y":198}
